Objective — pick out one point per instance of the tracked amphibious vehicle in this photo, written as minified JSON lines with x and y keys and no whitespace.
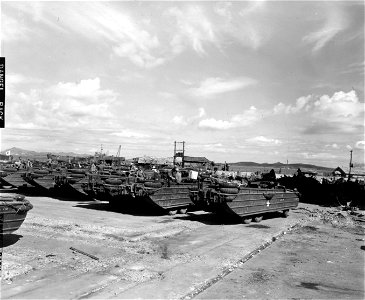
{"x":244,"y":202}
{"x":13,"y":210}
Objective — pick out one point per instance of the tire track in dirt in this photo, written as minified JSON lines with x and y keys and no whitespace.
{"x":239,"y":263}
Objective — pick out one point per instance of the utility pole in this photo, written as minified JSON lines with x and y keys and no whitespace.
{"x":351,"y":165}
{"x":117,"y":161}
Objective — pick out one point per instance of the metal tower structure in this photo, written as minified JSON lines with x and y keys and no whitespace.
{"x":179,"y":151}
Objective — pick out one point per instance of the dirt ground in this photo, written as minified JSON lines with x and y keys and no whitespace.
{"x":314,"y":253}
{"x":313,"y":262}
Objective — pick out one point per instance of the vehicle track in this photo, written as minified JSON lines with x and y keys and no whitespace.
{"x":239,"y":263}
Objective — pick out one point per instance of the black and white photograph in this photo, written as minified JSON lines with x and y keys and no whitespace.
{"x":182,"y":149}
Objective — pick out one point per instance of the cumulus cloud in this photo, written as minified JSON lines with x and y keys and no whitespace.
{"x":215,"y":124}
{"x":247,"y":118}
{"x":213,"y":145}
{"x":127,"y":133}
{"x":263,"y":140}
{"x":340,"y":105}
{"x":87,"y":88}
{"x":335,"y":22}
{"x":215,"y":85}
{"x":179,"y":120}
{"x":184,"y":121}
{"x":360,"y":145}
{"x":301,"y":103}
{"x":201,"y":112}
{"x":334,"y":146}
{"x":64,"y":105}
{"x":15,"y":80}
{"x":340,"y":112}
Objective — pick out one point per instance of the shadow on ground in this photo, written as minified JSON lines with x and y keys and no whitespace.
{"x":9,"y":239}
{"x":218,"y":219}
{"x":132,"y":210}
{"x":68,"y":195}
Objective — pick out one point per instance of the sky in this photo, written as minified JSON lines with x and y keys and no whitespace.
{"x":264,"y":81}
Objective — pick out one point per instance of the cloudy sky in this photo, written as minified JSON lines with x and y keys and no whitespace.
{"x":243,"y":81}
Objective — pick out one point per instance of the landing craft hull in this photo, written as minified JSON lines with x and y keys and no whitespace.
{"x":252,"y":202}
{"x":78,"y":186}
{"x":119,"y":196}
{"x":233,"y":200}
{"x":13,"y":212}
{"x":46,"y":182}
{"x":15,"y":180}
{"x":70,"y":185}
{"x":167,"y":198}
{"x":75,"y":191}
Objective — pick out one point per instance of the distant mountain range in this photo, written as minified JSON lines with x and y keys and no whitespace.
{"x":280,"y":165}
{"x":16,"y":152}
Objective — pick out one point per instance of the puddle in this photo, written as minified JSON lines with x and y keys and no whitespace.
{"x":258,"y":226}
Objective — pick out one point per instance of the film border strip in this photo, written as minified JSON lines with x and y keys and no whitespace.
{"x":2,"y":92}
{"x":1,"y":249}
{"x":2,"y":125}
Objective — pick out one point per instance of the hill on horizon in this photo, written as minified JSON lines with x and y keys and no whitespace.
{"x":41,"y":155}
{"x":281,"y":165}
{"x":14,"y":151}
